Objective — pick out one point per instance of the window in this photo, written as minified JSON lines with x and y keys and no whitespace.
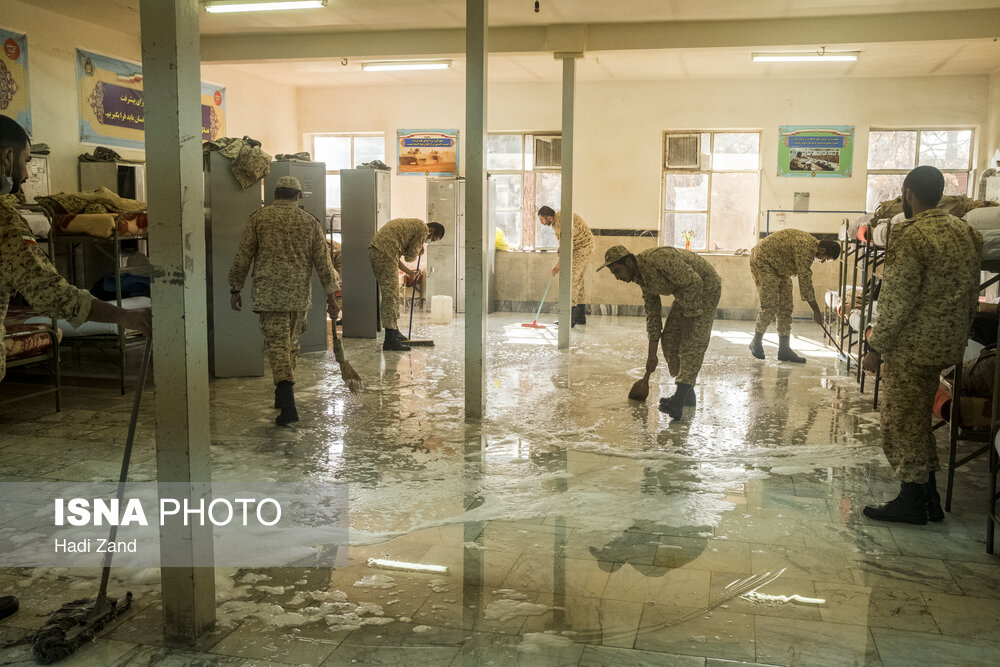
{"x":525,"y":169}
{"x":345,"y":151}
{"x":893,"y":153}
{"x":711,"y":189}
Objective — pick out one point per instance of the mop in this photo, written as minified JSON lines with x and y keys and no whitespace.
{"x":640,"y":390}
{"x":76,"y":623}
{"x":534,"y":324}
{"x":409,"y":332}
{"x":835,"y":343}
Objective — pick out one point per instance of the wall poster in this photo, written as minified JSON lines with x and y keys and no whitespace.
{"x":816,"y":151}
{"x":14,"y":98}
{"x":427,"y":152}
{"x":111,"y":103}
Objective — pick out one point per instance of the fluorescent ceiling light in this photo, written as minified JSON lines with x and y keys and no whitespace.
{"x":401,"y":65}
{"x":224,"y":7}
{"x":806,"y":56}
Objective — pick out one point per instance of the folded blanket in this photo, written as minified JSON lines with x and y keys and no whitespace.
{"x":100,"y":200}
{"x":250,"y":163}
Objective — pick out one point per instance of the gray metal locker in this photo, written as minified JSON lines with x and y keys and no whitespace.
{"x":364,"y":196}
{"x":235,"y":343}
{"x":445,"y":258}
{"x":312,"y":176}
{"x":125,"y":179}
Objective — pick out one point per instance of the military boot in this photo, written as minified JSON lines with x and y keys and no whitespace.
{"x":674,"y":406}
{"x":910,"y":506}
{"x":933,"y":498}
{"x":286,"y":402}
{"x":757,"y":346}
{"x":395,"y":341}
{"x":785,"y":352}
{"x":580,"y":314}
{"x":8,"y":606}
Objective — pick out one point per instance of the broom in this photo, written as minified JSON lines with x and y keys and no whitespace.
{"x":347,"y":372}
{"x":640,"y":390}
{"x":409,"y":332}
{"x":534,"y":324}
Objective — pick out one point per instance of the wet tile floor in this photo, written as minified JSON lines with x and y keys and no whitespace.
{"x":577,"y":528}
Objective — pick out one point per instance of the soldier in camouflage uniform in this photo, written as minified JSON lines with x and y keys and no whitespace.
{"x":399,"y":238}
{"x":929,"y":294}
{"x":24,"y":267}
{"x":583,"y":247}
{"x":284,"y":244}
{"x":685,"y":336}
{"x":778,"y":257}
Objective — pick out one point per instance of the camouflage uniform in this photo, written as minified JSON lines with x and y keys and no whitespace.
{"x":285,"y":244}
{"x":696,"y":288}
{"x":24,"y":268}
{"x":929,"y":294}
{"x":773,"y":262}
{"x":400,"y":237}
{"x":583,"y":247}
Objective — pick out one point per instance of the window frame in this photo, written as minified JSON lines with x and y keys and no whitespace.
{"x":971,"y":171}
{"x":352,"y":136}
{"x":701,"y":170}
{"x":527,"y":240}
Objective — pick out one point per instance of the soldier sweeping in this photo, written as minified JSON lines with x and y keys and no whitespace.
{"x":399,"y":239}
{"x":583,"y":247}
{"x":929,"y":294}
{"x":685,"y":336}
{"x":778,"y":257}
{"x":24,"y":267}
{"x":285,"y":244}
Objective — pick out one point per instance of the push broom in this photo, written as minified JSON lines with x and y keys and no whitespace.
{"x":534,"y":324}
{"x":409,"y":332}
{"x":77,"y":623}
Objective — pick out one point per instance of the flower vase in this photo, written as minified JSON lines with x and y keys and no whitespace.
{"x":687,"y":244}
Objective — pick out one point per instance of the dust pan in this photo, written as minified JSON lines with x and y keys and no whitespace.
{"x":640,"y":390}
{"x":534,"y":324}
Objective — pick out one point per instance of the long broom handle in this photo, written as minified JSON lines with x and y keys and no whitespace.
{"x":544,"y":294}
{"x":413,"y":296}
{"x":126,"y":458}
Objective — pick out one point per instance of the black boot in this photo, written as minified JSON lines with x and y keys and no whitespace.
{"x":909,"y":506}
{"x":286,"y":402}
{"x":757,"y":346}
{"x":394,"y":341}
{"x":933,"y":498}
{"x":785,"y":352}
{"x":8,"y":606}
{"x":674,"y":406}
{"x":580,"y":314}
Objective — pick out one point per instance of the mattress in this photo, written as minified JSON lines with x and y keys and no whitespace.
{"x":103,"y":225}
{"x":26,"y":334}
{"x":38,"y":222}
{"x":67,"y":330}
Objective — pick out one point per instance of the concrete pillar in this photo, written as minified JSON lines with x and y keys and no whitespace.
{"x":566,"y":208}
{"x":476,"y":241}
{"x":172,"y":104}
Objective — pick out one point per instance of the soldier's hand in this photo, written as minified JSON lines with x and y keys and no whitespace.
{"x":332,"y":310}
{"x":555,"y":269}
{"x":871,"y":362}
{"x":236,"y":301}
{"x":140,"y":320}
{"x":651,"y":362}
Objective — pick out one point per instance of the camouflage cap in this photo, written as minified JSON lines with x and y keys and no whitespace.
{"x":289,"y":182}
{"x":615,"y":253}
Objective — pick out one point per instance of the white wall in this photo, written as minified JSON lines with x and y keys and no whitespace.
{"x":991,"y":134}
{"x":262,"y":109}
{"x":619,"y":128}
{"x":52,"y":43}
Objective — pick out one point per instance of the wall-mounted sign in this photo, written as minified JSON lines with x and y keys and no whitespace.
{"x":112,"y":111}
{"x":816,"y":151}
{"x":14,"y":99}
{"x":427,"y":152}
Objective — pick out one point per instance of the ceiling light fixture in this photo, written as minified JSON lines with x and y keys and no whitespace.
{"x":822,"y":55}
{"x":231,"y":6}
{"x":403,"y":65}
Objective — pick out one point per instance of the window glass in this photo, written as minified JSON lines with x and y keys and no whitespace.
{"x":946,"y":149}
{"x":736,"y":151}
{"x":503,"y":151}
{"x":891,"y":150}
{"x":367,"y":149}
{"x":333,"y":191}
{"x":677,"y":225}
{"x":734,"y":210}
{"x":686,"y":192}
{"x":334,"y":151}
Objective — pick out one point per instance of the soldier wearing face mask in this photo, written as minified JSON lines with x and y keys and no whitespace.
{"x":24,"y":267}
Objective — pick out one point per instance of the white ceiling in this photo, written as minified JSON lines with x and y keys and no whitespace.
{"x":877,"y":60}
{"x":361,"y":15}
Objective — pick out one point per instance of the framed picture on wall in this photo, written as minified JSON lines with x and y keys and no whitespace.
{"x":816,"y":151}
{"x":427,"y":152}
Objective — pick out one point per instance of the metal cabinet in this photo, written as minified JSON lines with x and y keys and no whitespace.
{"x":125,"y":179}
{"x":235,"y":343}
{"x":364,"y":195}
{"x":446,"y":258}
{"x":312,"y":176}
